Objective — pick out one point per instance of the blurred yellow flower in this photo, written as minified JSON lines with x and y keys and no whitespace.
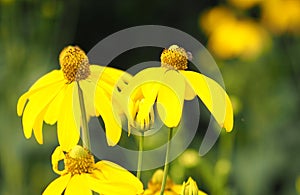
{"x":81,"y":175}
{"x":244,"y":4}
{"x":170,"y":85}
{"x":281,"y":15}
{"x":230,"y":37}
{"x":211,"y":19}
{"x":55,"y":98}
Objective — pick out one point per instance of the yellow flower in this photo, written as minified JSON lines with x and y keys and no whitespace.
{"x":171,"y":188}
{"x":154,"y":185}
{"x":81,"y":175}
{"x":54,"y":98}
{"x":230,"y":37}
{"x":170,"y":85}
{"x":281,"y":15}
{"x":190,"y":188}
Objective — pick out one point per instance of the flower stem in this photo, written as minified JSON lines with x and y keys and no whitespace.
{"x":85,"y":128}
{"x":140,"y":157}
{"x":166,"y":168}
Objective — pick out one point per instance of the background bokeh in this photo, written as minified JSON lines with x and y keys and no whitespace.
{"x":256,"y":44}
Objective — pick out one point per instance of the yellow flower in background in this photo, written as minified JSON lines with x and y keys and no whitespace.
{"x":190,"y":188}
{"x":230,"y":37}
{"x":244,"y":4}
{"x":171,"y":188}
{"x":238,"y":38}
{"x":55,"y":98}
{"x":81,"y":175}
{"x":281,"y":15}
{"x":211,"y":19}
{"x":154,"y":185}
{"x":170,"y":84}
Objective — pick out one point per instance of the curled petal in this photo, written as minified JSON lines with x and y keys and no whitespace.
{"x":49,"y":79}
{"x":38,"y":102}
{"x":213,"y":96}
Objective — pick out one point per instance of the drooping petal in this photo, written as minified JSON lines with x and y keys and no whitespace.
{"x":77,"y":186}
{"x":213,"y":96}
{"x":88,"y":90}
{"x":68,"y":124}
{"x":58,"y":185}
{"x":113,"y":126}
{"x":45,"y":81}
{"x":38,"y":126}
{"x":37,"y":102}
{"x":170,"y":98}
{"x":116,"y":175}
{"x":57,"y":156}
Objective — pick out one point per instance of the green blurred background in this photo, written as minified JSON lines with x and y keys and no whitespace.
{"x":256,"y":44}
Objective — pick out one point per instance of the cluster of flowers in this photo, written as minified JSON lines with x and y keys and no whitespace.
{"x":78,"y":91}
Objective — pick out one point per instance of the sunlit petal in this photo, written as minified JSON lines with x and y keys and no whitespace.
{"x":58,"y":185}
{"x":117,"y":175}
{"x":170,"y":98}
{"x":213,"y":96}
{"x":77,"y":186}
{"x":68,"y":125}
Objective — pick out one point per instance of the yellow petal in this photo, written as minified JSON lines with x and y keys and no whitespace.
{"x":57,"y":156}
{"x":118,"y":176}
{"x":38,"y":101}
{"x":58,"y":185}
{"x":55,"y":107}
{"x":88,"y":90}
{"x":213,"y":96}
{"x":77,"y":186}
{"x":48,"y":79}
{"x":170,"y":98}
{"x":113,"y":126}
{"x":68,"y":124}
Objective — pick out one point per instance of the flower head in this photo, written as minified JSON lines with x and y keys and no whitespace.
{"x":169,"y":85}
{"x":190,"y":188}
{"x":81,"y":175}
{"x":54,"y":98}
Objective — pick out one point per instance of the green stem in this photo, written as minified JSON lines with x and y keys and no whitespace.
{"x":140,"y":157}
{"x":85,"y":128}
{"x":166,"y":168}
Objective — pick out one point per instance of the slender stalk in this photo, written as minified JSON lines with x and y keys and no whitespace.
{"x":140,"y":157}
{"x":85,"y":128}
{"x":166,"y":168}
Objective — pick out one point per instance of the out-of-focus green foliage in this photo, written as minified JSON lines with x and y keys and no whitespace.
{"x":260,"y":156}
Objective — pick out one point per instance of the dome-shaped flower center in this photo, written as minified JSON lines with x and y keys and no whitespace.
{"x":78,"y":161}
{"x":175,"y":57}
{"x":74,"y":64}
